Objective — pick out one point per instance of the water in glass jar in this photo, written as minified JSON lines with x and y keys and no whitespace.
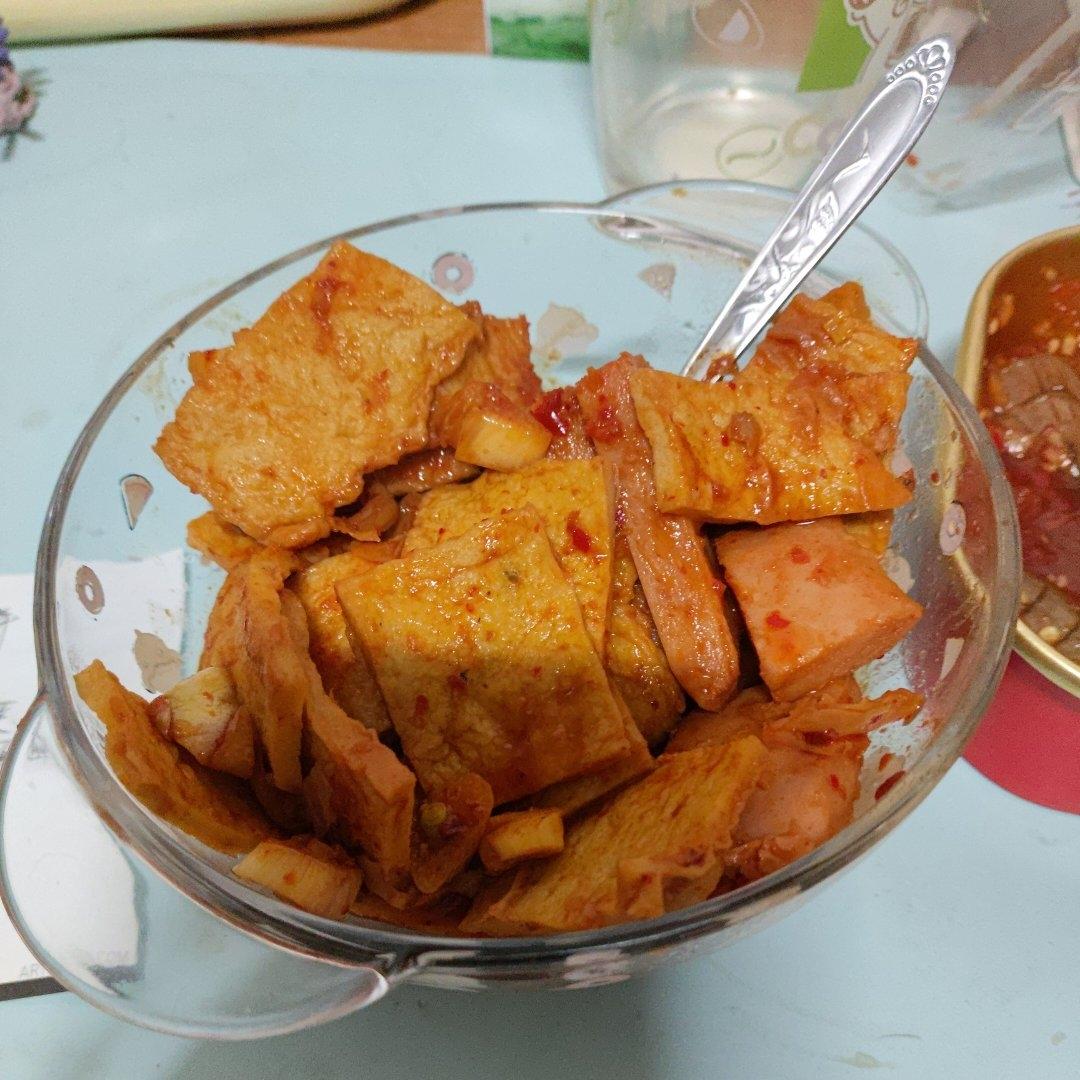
{"x":752,"y":128}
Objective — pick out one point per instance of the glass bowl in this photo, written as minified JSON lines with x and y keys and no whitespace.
{"x":148,"y":924}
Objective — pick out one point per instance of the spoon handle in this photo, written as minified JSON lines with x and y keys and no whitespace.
{"x":866,"y":154}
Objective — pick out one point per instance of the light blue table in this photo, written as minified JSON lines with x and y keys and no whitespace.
{"x":169,"y":169}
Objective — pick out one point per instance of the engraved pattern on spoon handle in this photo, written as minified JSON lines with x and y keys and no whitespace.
{"x":867,"y":153}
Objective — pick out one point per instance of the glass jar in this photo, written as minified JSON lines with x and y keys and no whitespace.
{"x":758,"y":89}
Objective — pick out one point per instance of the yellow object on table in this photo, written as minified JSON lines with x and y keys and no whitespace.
{"x":43,"y":20}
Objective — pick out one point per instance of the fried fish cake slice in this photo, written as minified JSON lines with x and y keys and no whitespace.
{"x":766,"y":450}
{"x":345,"y":675}
{"x":684,"y":595}
{"x":248,"y":635}
{"x":656,"y":845}
{"x":804,"y":431}
{"x":572,"y":796}
{"x":873,"y":530}
{"x":835,"y":331}
{"x":484,"y":660}
{"x":423,"y":471}
{"x":357,"y":789}
{"x":211,"y":807}
{"x":215,"y":539}
{"x":573,"y":498}
{"x":334,"y":380}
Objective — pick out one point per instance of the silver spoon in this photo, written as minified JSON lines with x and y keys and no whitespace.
{"x":867,"y":153}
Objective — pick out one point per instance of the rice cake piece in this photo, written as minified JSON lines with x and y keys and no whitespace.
{"x":560,"y":412}
{"x":485,"y":662}
{"x":500,"y":356}
{"x":817,"y":603}
{"x":345,"y":675}
{"x":334,"y":380}
{"x":213,"y":808}
{"x":574,"y":500}
{"x":494,"y":433}
{"x":514,"y":837}
{"x":305,"y":872}
{"x":656,"y":846}
{"x":248,"y":635}
{"x":201,"y":714}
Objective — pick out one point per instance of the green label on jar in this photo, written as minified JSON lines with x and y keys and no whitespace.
{"x":838,"y":50}
{"x":541,"y":29}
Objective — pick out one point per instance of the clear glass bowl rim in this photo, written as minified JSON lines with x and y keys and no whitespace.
{"x":358,"y":942}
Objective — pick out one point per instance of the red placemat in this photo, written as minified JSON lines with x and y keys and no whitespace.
{"x":1029,"y":739}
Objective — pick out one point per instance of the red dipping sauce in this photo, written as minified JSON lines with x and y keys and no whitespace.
{"x":1030,"y":401}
